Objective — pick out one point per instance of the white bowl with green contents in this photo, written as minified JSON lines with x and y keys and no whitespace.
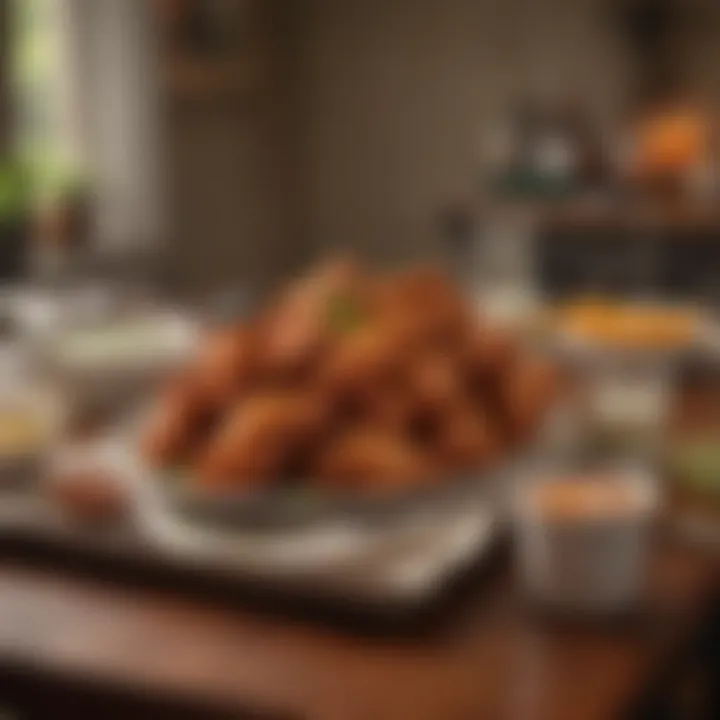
{"x":117,"y":359}
{"x":693,"y":466}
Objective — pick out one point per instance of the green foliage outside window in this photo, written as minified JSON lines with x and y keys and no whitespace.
{"x":41,"y":150}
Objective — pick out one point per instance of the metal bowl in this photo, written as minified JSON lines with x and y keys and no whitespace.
{"x":298,"y":504}
{"x":301,"y":504}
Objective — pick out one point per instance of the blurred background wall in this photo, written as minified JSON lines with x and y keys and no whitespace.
{"x":369,"y":122}
{"x":117,"y":90}
{"x":352,"y":124}
{"x":703,"y":51}
{"x":400,"y":93}
{"x":233,"y":167}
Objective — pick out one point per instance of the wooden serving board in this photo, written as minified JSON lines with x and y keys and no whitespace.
{"x":378,"y":592}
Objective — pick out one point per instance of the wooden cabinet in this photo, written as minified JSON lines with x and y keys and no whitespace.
{"x":677,"y":258}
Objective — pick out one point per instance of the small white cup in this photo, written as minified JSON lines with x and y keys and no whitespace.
{"x":593,"y":561}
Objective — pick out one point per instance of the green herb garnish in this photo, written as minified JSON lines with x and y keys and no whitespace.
{"x":14,"y":192}
{"x":698,"y":465}
{"x":344,"y":314}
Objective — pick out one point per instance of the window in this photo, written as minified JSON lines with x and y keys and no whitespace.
{"x":46,"y":107}
{"x":87,"y":110}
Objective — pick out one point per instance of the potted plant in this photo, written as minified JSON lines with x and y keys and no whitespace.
{"x":63,"y":208}
{"x":15,"y":221}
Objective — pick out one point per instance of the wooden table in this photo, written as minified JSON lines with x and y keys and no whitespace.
{"x":130,"y":652}
{"x":492,"y":659}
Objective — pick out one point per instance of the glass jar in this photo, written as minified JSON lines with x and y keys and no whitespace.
{"x":30,"y":419}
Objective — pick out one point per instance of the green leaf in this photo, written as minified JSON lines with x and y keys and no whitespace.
{"x":698,"y":465}
{"x":344,"y":314}
{"x":14,"y":192}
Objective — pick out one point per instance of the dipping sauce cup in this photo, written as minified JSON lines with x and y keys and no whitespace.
{"x":583,"y":543}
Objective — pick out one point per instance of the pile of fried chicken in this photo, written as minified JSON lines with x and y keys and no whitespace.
{"x":351,"y":380}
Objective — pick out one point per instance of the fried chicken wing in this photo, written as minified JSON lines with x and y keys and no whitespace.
{"x":527,"y":392}
{"x":435,"y":381}
{"x":488,"y":351}
{"x":368,"y":458}
{"x":226,"y":365}
{"x":259,"y":434}
{"x":466,"y":438}
{"x":366,"y":382}
{"x":299,"y":325}
{"x":426,"y":307}
{"x":174,"y":426}
{"x":368,"y":356}
{"x":389,"y":408}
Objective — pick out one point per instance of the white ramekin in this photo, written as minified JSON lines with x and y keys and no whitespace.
{"x":595,"y":564}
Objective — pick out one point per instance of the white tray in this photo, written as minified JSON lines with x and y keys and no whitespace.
{"x":405,"y":558}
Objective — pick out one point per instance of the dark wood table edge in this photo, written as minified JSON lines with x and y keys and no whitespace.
{"x":47,"y":691}
{"x":346,"y":613}
{"x":19,"y":677}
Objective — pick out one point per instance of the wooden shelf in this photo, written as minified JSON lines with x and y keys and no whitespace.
{"x":677,"y":218}
{"x":197,"y":77}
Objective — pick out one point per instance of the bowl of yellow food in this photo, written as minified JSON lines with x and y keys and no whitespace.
{"x":628,"y":327}
{"x":31,"y":418}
